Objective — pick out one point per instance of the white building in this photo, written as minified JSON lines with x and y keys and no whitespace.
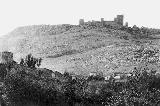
{"x":107,"y":77}
{"x":93,"y":74}
{"x":117,"y":77}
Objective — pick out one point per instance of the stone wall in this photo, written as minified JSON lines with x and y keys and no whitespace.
{"x":6,"y":57}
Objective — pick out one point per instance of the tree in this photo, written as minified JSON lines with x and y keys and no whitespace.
{"x":22,"y":62}
{"x":39,"y":61}
{"x":31,"y":61}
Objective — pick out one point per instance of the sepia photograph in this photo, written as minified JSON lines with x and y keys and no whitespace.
{"x":79,"y":53}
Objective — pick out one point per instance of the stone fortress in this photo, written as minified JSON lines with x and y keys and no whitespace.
{"x":118,"y":21}
{"x":6,"y":57}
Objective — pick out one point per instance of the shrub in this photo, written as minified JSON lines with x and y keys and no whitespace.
{"x":97,"y":78}
{"x":31,"y":61}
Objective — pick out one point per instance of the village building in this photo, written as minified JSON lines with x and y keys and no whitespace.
{"x":107,"y":78}
{"x":93,"y":74}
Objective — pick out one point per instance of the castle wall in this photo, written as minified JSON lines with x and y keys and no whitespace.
{"x":109,"y":23}
{"x":102,"y":20}
{"x":81,"y":22}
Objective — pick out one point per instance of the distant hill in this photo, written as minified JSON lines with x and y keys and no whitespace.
{"x":76,"y":48}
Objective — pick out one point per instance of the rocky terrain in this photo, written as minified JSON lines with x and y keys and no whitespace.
{"x":75,"y":48}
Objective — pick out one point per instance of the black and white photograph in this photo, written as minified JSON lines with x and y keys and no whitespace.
{"x":79,"y":53}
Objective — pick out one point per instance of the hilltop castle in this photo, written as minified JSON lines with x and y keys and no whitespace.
{"x":117,"y":21}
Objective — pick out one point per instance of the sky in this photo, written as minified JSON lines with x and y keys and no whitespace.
{"x":15,"y":13}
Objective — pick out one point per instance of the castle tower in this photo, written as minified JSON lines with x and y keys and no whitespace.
{"x":115,"y":20}
{"x":81,"y":22}
{"x":6,"y":57}
{"x":126,"y":24}
{"x":102,"y":21}
{"x":119,"y":19}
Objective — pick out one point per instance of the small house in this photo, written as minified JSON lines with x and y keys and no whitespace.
{"x":107,"y":78}
{"x":93,"y":74}
{"x":117,"y":77}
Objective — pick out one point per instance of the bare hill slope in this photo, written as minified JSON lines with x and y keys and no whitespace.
{"x":78,"y":49}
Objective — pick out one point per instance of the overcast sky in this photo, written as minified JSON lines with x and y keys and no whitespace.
{"x":15,"y":13}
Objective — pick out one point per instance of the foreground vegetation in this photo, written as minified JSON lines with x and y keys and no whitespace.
{"x":25,"y":86}
{"x":21,"y":89}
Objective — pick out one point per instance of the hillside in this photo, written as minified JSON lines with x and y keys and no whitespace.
{"x":74,"y":48}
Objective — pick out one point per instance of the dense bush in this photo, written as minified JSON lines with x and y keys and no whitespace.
{"x":142,"y":32}
{"x":96,"y":78}
{"x":31,"y":61}
{"x":21,"y":88}
{"x":142,"y":89}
